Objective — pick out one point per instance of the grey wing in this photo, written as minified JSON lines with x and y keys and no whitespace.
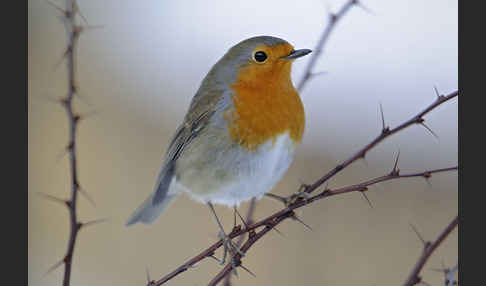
{"x":184,"y":135}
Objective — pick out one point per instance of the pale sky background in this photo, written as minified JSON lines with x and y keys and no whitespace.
{"x":139,"y":73}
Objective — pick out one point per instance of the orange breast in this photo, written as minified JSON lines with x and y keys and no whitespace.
{"x":266,"y":105}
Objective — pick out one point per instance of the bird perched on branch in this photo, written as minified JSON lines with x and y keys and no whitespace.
{"x":239,"y":135}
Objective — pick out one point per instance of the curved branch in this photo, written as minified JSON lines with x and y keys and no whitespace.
{"x":333,"y":20}
{"x":273,"y":220}
{"x":385,"y":133}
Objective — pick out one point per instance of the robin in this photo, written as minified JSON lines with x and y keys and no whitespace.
{"x":239,"y":135}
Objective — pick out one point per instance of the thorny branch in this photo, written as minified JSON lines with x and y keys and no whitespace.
{"x":333,"y":20}
{"x":273,"y":220}
{"x":429,"y":247}
{"x":73,"y":32}
{"x":385,"y":133}
{"x":73,"y":35}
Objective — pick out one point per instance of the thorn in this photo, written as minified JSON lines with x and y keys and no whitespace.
{"x":382,"y":119}
{"x":48,"y":99}
{"x":61,"y":59}
{"x":365,"y":8}
{"x":430,"y":130}
{"x":418,"y":234}
{"x":316,"y":74}
{"x":55,"y":6}
{"x":86,"y":195}
{"x":62,"y":154}
{"x":244,"y":222}
{"x":52,"y":198}
{"x":53,"y":267}
{"x":278,"y":231}
{"x":303,"y":186}
{"x":92,"y":27}
{"x":234,"y":218}
{"x":396,"y":171}
{"x":215,"y":258}
{"x":96,"y":221}
{"x":148,"y":276}
{"x":77,"y":10}
{"x":86,"y":115}
{"x":366,"y":197}
{"x":436,"y":92}
{"x":247,"y":270}
{"x":294,"y":217}
{"x":83,"y":98}
{"x":76,"y":118}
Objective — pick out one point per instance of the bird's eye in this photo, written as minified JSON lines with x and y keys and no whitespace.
{"x":260,"y":56}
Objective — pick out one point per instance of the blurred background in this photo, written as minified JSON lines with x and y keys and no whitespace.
{"x":136,"y":77}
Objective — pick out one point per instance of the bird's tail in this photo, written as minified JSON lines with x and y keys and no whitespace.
{"x":149,"y":210}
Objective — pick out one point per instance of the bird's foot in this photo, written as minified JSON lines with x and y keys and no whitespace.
{"x":233,"y":250}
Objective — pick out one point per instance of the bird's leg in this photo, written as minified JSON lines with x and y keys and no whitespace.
{"x":227,"y":243}
{"x":237,"y":212}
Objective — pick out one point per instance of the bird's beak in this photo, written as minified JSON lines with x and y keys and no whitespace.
{"x":297,"y":54}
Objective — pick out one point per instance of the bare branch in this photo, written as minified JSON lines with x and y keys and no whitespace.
{"x":417,"y":119}
{"x":273,"y":220}
{"x":429,"y":247}
{"x":73,"y":32}
{"x":332,"y":21}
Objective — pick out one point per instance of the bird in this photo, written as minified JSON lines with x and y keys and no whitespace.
{"x":239,"y":135}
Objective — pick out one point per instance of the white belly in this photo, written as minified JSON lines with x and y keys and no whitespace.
{"x":239,"y":175}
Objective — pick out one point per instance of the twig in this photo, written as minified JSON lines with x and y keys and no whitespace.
{"x":73,"y":32}
{"x":385,"y":133}
{"x":277,"y":218}
{"x":429,"y":248}
{"x":333,"y":20}
{"x":73,"y":120}
{"x":273,"y":220}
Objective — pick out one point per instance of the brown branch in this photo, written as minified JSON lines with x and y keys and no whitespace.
{"x":73,"y":35}
{"x":73,"y":32}
{"x":385,"y":133}
{"x":429,"y":248}
{"x":332,"y":21}
{"x":273,"y":220}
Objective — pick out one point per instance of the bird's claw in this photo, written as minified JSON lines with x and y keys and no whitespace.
{"x":233,"y":249}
